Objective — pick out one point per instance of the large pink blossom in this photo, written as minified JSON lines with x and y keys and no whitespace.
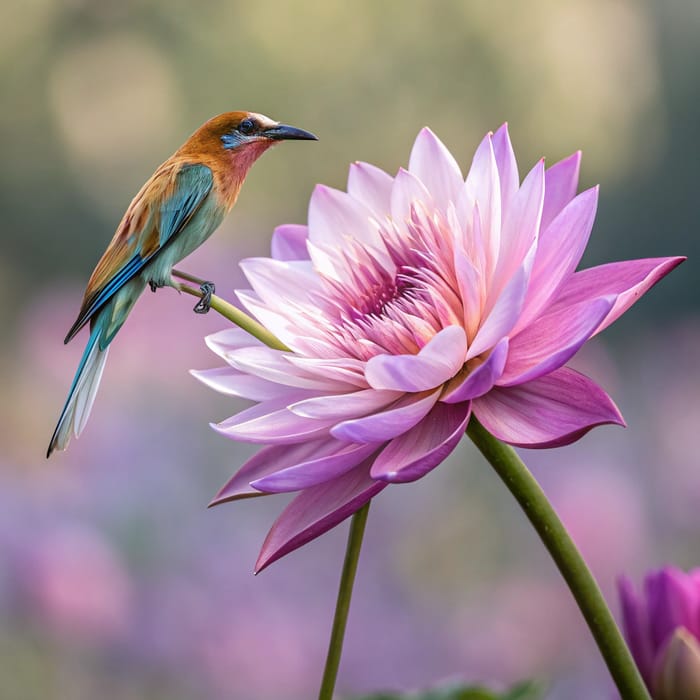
{"x":408,"y":303}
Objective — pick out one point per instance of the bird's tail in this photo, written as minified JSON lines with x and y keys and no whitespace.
{"x":81,"y":396}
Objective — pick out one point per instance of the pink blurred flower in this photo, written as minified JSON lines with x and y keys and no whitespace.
{"x":406,"y":304}
{"x":663,"y":631}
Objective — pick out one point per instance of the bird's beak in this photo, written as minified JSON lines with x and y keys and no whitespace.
{"x":284,"y":132}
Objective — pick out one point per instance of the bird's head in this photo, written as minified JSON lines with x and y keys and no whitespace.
{"x":242,"y":135}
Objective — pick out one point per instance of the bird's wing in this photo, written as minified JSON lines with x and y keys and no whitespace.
{"x":162,"y":208}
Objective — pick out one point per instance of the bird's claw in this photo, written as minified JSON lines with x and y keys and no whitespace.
{"x":153,"y":286}
{"x":204,"y":304}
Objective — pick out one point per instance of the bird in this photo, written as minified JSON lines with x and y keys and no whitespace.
{"x":175,"y":211}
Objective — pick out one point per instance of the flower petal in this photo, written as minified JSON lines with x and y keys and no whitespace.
{"x":481,"y":379}
{"x":271,"y":421}
{"x":560,"y":184}
{"x":275,"y":280}
{"x":289,"y":242}
{"x":551,"y":411}
{"x":559,"y":251}
{"x":507,"y":166}
{"x":371,"y":186}
{"x":223,"y":342}
{"x":344,"y":406}
{"x":406,"y":191}
{"x":413,"y":454}
{"x":628,"y":280}
{"x":436,"y":168}
{"x":636,"y":626}
{"x":398,"y":418}
{"x":672,"y":602}
{"x":439,"y":360}
{"x":552,"y":340}
{"x":334,"y":459}
{"x":316,"y":510}
{"x":227,"y":380}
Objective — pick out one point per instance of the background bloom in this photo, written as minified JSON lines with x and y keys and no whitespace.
{"x":662,"y":627}
{"x":406,"y":304}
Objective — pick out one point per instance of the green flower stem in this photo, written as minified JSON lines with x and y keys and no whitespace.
{"x":238,"y":317}
{"x":342,"y":606}
{"x":520,"y":482}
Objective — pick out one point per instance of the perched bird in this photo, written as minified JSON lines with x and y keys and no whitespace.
{"x":179,"y":207}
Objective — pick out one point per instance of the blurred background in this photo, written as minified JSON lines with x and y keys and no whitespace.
{"x":115,"y":580}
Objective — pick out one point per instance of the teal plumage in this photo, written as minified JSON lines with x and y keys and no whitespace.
{"x":179,"y":207}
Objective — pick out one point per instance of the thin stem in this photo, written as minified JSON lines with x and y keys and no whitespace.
{"x":520,"y":482}
{"x":347,"y":578}
{"x":238,"y":317}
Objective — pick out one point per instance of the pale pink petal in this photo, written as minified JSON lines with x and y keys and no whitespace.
{"x":282,"y":327}
{"x":504,"y":314}
{"x":628,"y":280}
{"x":227,"y":380}
{"x":560,"y":184}
{"x":552,"y":340}
{"x":551,"y":411}
{"x":371,"y":186}
{"x":439,"y":360}
{"x":267,"y":461}
{"x":507,"y":166}
{"x":479,"y":380}
{"x":277,"y":366}
{"x":344,"y":406}
{"x":223,"y":342}
{"x":484,"y":189}
{"x":436,"y":168}
{"x":271,"y":422}
{"x":335,"y":216}
{"x":521,"y":226}
{"x":559,"y":251}
{"x":274,"y":281}
{"x":413,"y":454}
{"x":317,"y":468}
{"x":471,"y":290}
{"x":396,"y":419}
{"x":343,"y":371}
{"x":316,"y":510}
{"x":289,"y":242}
{"x":406,"y":191}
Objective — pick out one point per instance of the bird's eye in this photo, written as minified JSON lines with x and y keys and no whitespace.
{"x":246,"y":127}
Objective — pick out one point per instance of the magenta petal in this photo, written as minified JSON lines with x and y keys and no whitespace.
{"x":234,"y":383}
{"x":329,"y":463}
{"x":413,"y":454}
{"x":552,"y":340}
{"x":551,"y":411}
{"x":439,"y":360}
{"x":560,"y":184}
{"x":388,"y":424}
{"x":316,"y":510}
{"x":482,"y":378}
{"x":629,"y":280}
{"x":289,"y":242}
{"x":636,"y":626}
{"x":559,"y":251}
{"x":267,"y":461}
{"x":672,"y":601}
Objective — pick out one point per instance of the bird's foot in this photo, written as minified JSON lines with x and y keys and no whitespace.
{"x":204,"y":304}
{"x":153,"y":286}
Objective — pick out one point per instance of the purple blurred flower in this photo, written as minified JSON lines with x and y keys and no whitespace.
{"x":663,"y":628}
{"x":407,"y":303}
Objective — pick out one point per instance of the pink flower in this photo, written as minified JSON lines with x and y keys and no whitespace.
{"x":408,"y":303}
{"x":662,"y":627}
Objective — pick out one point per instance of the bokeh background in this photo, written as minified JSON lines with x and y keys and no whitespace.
{"x":115,"y":580}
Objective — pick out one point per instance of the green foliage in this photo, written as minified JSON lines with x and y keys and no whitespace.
{"x":523,"y":691}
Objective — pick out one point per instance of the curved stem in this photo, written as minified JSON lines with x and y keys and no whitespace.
{"x":237,"y":317}
{"x":520,"y":482}
{"x":347,"y":578}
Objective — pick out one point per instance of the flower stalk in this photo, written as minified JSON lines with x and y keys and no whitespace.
{"x":347,"y":579}
{"x":521,"y":483}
